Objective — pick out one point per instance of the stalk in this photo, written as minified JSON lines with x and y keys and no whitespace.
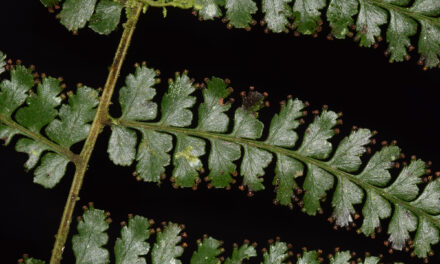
{"x":97,"y":125}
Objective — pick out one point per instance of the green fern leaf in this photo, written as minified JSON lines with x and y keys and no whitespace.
{"x":33,"y":148}
{"x":349,"y":151}
{"x":220,"y":162}
{"x":136,"y":96}
{"x":276,"y":14}
{"x":239,"y":254}
{"x":186,"y":160}
{"x":239,"y":12}
{"x":346,"y":195}
{"x":315,"y":143}
{"x":136,"y":104}
{"x":340,"y":16}
{"x":375,"y":209}
{"x":277,"y":254}
{"x":365,"y":17}
{"x":87,"y":244}
{"x":166,"y":250}
{"x":347,"y":158}
{"x":400,"y":30}
{"x":308,"y":257}
{"x":14,"y":91}
{"x":341,"y":258}
{"x":372,"y":260}
{"x":376,"y":172}
{"x":429,"y":46}
{"x":106,"y":17}
{"x":252,"y":167}
{"x":133,"y":246}
{"x":209,"y":9}
{"x":132,"y":243}
{"x":307,"y":15}
{"x":122,"y":146}
{"x":212,"y":118}
{"x":212,"y":115}
{"x":429,"y":200}
{"x":76,"y":13}
{"x":52,"y":169}
{"x":73,"y":125}
{"x":176,"y":102}
{"x":316,"y":185}
{"x":405,"y":186}
{"x":282,"y":127}
{"x":41,"y":111}
{"x":412,"y":211}
{"x":281,"y":133}
{"x":426,"y":7}
{"x":427,"y":235}
{"x":283,"y":180}
{"x":153,"y":155}
{"x":246,"y":125}
{"x":402,"y":223}
{"x":369,"y":20}
{"x":175,"y":112}
{"x":207,"y":252}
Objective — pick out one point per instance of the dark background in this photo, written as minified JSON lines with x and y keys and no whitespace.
{"x":399,"y":100}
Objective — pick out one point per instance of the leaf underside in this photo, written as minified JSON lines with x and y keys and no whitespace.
{"x":382,"y":195}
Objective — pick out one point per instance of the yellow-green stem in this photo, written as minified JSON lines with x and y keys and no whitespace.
{"x":97,"y":125}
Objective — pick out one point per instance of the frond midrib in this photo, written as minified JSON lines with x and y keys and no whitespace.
{"x":35,"y":136}
{"x":279,"y":150}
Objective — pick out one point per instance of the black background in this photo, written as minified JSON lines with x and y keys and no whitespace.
{"x":399,"y":100}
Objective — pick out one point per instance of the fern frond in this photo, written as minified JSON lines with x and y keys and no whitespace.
{"x":365,"y":17}
{"x":362,"y":19}
{"x":103,"y":17}
{"x":410,"y":210}
{"x":89,"y":246}
{"x":28,"y":113}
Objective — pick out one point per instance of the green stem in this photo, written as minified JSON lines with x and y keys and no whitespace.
{"x":37,"y":137}
{"x":97,"y":125}
{"x":288,"y":152}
